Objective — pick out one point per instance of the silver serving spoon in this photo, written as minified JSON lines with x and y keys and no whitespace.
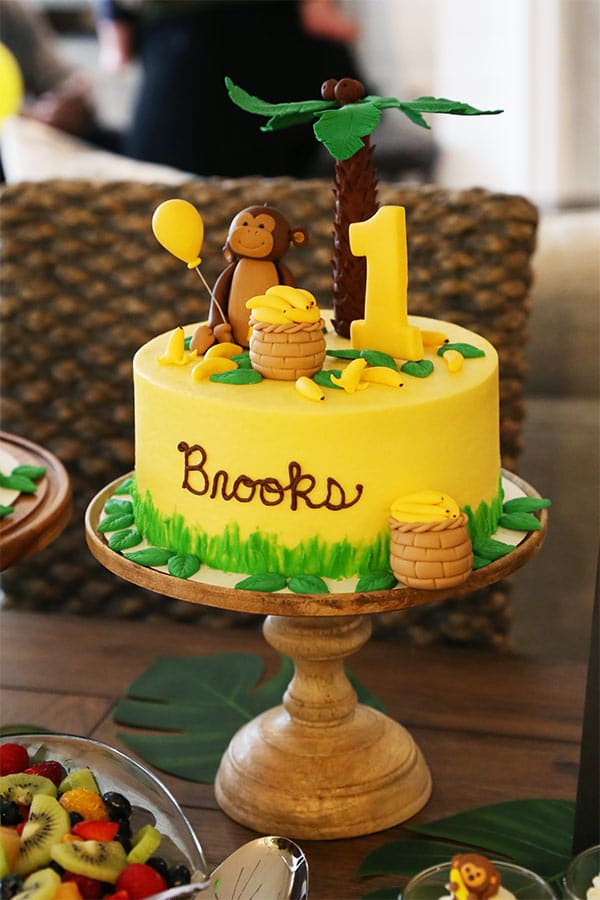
{"x":268,"y":868}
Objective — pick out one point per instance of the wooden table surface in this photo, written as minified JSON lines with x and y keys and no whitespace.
{"x":492,"y":727}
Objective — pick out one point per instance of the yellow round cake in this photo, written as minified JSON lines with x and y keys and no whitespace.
{"x":254,"y":477}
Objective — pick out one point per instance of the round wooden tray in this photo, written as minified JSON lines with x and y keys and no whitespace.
{"x":288,"y":604}
{"x":38,"y":518}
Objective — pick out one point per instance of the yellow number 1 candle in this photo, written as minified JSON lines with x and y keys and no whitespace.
{"x":382,"y":239}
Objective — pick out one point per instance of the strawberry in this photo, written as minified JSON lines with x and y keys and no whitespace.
{"x":140,"y":880}
{"x":13,"y":758}
{"x":89,"y":888}
{"x":49,"y":769}
{"x":94,"y":830}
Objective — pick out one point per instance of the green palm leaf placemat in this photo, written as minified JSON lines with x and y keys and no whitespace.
{"x":192,"y":706}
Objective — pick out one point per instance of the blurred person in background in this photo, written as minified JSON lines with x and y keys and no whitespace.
{"x":281,"y":50}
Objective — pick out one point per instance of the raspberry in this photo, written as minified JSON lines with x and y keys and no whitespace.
{"x":13,"y":758}
{"x":140,"y":880}
{"x":85,"y":802}
{"x":49,"y":769}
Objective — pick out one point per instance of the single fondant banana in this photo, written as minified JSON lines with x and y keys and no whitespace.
{"x":349,"y":380}
{"x":300,"y":314}
{"x":269,"y":315}
{"x":175,"y":353}
{"x":382,"y":375}
{"x":225,"y":349}
{"x":297,"y":297}
{"x":309,"y":388}
{"x":212,"y":366}
{"x":454,"y":360}
{"x":433,"y":338}
{"x":267,"y":301}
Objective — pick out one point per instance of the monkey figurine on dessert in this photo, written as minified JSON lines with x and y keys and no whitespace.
{"x":258,"y":239}
{"x":473,"y":877}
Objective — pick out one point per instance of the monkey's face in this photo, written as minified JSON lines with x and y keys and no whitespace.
{"x":474,"y":876}
{"x":252,"y":235}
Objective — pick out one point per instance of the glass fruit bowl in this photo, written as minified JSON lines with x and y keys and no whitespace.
{"x":582,"y":878}
{"x":152,"y":803}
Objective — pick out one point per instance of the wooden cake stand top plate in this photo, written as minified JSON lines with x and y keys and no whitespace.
{"x":285,"y":603}
{"x":37,"y":518}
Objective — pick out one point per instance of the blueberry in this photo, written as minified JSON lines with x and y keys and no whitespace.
{"x":159,"y":864}
{"x":178,"y":875}
{"x":75,"y":817}
{"x":9,"y":813}
{"x":10,"y":886}
{"x":118,"y":806}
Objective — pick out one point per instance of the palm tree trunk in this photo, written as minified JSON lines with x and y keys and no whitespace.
{"x":355,"y":192}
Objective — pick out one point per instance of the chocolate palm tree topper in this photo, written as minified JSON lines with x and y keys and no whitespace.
{"x":344,"y":120}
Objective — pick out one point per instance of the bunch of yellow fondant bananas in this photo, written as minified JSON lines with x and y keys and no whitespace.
{"x":282,"y":305}
{"x":425,"y":506}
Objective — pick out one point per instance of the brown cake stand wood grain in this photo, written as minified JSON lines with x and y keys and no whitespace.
{"x":38,"y":518}
{"x":321,"y":765}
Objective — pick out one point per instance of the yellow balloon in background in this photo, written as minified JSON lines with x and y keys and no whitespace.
{"x":11,"y":84}
{"x":178,"y":226}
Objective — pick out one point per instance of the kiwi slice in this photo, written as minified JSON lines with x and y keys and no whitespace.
{"x":102,"y":860}
{"x":40,"y":885}
{"x":22,"y":788}
{"x":79,"y":778}
{"x":46,"y":824}
{"x":145,"y":843}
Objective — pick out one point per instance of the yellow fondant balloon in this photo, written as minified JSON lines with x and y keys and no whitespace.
{"x":178,"y":226}
{"x":11,"y":84}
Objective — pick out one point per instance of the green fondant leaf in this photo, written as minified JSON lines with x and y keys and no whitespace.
{"x":237,"y":376}
{"x":520,"y":521}
{"x":115,"y":523}
{"x":306,"y":113}
{"x":243,"y":360}
{"x":323,"y":378}
{"x":414,"y":115}
{"x":270,"y":581}
{"x":33,"y":472}
{"x":6,"y":511}
{"x":151,"y":556}
{"x":479,"y":562}
{"x":126,"y":486}
{"x":20,"y":483}
{"x":344,"y":354}
{"x":466,"y":350}
{"x":187,"y":341}
{"x":307,"y":584}
{"x":377,"y":358}
{"x":183,"y":566}
{"x":114,"y":507}
{"x":342,"y":130}
{"x":260,"y":107}
{"x":451,"y":107}
{"x":525,"y":504}
{"x":123,"y":540}
{"x":491,"y":550}
{"x":420,"y":368}
{"x":376,"y":581}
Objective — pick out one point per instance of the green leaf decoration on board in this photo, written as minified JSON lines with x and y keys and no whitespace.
{"x":115,"y":523}
{"x":491,"y":549}
{"x":243,"y":360}
{"x":151,"y":556}
{"x":125,"y":487}
{"x":237,"y":376}
{"x":33,"y":472}
{"x":525,"y":504}
{"x":377,"y":358}
{"x":419,"y":368}
{"x":307,"y":584}
{"x":114,"y":507}
{"x":323,"y":378}
{"x":20,"y":483}
{"x":6,"y":511}
{"x":534,"y":833}
{"x":190,"y":708}
{"x":268,"y":582}
{"x":376,"y":581}
{"x":520,"y":521}
{"x":342,"y":130}
{"x":466,"y":350}
{"x":344,"y":354}
{"x":183,"y":566}
{"x":124,"y":539}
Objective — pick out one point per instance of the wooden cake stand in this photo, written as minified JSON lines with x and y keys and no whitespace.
{"x":321,"y":765}
{"x":38,"y":518}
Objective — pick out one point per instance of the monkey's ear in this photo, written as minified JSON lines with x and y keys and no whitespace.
{"x":228,"y":253}
{"x":299,"y":237}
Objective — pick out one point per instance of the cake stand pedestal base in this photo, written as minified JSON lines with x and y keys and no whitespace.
{"x":321,"y":765}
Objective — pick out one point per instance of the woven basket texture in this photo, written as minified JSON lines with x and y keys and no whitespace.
{"x":84,"y":284}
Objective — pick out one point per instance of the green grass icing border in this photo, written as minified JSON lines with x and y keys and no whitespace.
{"x":260,"y":553}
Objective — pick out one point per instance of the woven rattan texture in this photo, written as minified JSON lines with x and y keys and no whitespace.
{"x":84,"y":284}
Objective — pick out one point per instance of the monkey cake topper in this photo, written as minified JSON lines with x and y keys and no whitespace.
{"x":257,"y":240}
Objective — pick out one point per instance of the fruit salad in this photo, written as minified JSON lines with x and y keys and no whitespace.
{"x":67,"y":834}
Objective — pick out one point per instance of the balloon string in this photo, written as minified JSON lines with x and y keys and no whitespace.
{"x":212,"y":296}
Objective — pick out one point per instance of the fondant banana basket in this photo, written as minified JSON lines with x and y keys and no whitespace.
{"x":286,"y":352}
{"x":431,"y":555}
